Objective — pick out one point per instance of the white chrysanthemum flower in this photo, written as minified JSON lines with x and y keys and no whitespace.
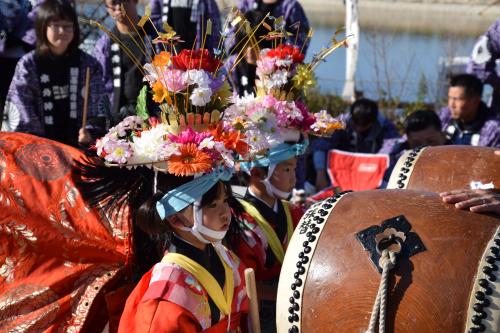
{"x":256,"y":140}
{"x":198,"y":77}
{"x":277,"y":79}
{"x":117,"y":151}
{"x":208,"y":143}
{"x":150,"y":146}
{"x":201,"y":96}
{"x":227,"y":155}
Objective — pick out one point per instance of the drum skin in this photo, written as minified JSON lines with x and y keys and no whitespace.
{"x":445,"y":168}
{"x":429,"y":292}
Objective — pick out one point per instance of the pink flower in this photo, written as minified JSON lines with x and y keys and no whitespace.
{"x":269,"y":101}
{"x":308,"y":119}
{"x":189,"y":136}
{"x":174,"y":80}
{"x":265,"y":66}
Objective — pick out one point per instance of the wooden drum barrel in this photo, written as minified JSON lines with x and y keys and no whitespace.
{"x":445,"y":168}
{"x":446,"y":278}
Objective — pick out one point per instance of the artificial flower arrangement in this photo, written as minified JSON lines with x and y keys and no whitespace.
{"x":187,"y":137}
{"x":135,"y":141}
{"x":276,"y":113}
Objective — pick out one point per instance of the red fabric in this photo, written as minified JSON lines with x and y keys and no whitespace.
{"x":250,"y":246}
{"x":322,"y":195}
{"x":356,"y":171}
{"x":58,"y":259}
{"x":148,"y":308}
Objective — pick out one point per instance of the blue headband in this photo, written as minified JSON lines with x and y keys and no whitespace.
{"x":277,"y":154}
{"x":179,"y":198}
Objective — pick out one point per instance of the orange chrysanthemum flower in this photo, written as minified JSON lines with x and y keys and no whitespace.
{"x":161,"y":59}
{"x":159,"y":92}
{"x":190,"y":161}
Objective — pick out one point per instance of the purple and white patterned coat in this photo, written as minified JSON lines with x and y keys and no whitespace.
{"x":483,"y":59}
{"x":24,"y":105}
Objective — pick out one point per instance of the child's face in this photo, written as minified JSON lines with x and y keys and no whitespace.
{"x":216,"y":215}
{"x":59,"y":35}
{"x":283,"y":177}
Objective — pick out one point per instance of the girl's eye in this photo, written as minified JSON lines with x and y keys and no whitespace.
{"x":212,"y":205}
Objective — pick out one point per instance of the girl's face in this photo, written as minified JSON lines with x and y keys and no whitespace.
{"x":283,"y":177}
{"x":216,"y":215}
{"x":59,"y":34}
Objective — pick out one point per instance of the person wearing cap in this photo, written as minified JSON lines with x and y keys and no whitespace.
{"x":276,"y":130}
{"x":182,"y":198}
{"x":267,"y":220}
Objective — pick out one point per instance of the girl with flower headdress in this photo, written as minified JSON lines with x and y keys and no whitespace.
{"x":45,"y":97}
{"x":197,"y":284}
{"x":276,"y":125}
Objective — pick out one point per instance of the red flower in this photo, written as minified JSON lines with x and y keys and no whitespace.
{"x":283,"y":51}
{"x":198,"y":59}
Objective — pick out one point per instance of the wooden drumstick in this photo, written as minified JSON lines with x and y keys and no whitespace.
{"x":254,"y":302}
{"x":86,"y":98}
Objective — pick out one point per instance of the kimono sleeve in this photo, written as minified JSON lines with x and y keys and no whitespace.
{"x":163,"y":316}
{"x":23,"y":102}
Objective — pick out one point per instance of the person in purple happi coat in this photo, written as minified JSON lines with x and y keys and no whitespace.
{"x":483,"y":60}
{"x":45,"y":97}
{"x":17,"y":37}
{"x":466,"y":119}
{"x":255,"y":11}
{"x":123,"y":75}
{"x":189,"y":19}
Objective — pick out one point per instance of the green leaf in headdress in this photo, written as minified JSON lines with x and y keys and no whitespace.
{"x":140,"y":108}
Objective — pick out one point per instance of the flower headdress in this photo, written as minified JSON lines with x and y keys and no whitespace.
{"x":276,"y":115}
{"x":187,"y":139}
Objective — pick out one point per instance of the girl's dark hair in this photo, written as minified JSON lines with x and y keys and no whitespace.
{"x":114,"y":189}
{"x":49,"y":11}
{"x":148,"y":219}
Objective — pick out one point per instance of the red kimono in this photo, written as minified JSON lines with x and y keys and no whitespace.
{"x":169,"y":299}
{"x":61,"y":263}
{"x":252,"y":244}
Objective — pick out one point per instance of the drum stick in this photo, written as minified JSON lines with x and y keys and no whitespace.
{"x":252,"y":297}
{"x":86,"y":98}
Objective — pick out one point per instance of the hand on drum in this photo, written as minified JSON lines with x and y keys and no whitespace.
{"x":477,"y":201}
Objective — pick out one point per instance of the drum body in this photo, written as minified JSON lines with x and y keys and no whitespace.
{"x":329,"y":284}
{"x":445,"y":168}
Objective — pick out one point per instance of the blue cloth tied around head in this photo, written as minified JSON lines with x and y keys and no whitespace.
{"x":277,"y":154}
{"x":179,"y":198}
